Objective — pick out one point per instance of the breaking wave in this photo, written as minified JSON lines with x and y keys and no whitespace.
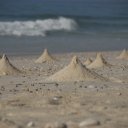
{"x":37,"y":27}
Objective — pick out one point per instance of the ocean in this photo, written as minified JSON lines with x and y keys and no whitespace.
{"x":29,"y":26}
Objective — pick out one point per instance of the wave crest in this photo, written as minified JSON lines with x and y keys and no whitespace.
{"x":36,"y":28}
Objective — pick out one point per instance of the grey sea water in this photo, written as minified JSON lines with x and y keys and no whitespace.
{"x":29,"y":26}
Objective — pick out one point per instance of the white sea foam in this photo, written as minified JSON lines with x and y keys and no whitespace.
{"x":36,"y":28}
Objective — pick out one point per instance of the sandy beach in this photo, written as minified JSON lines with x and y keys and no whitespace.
{"x":63,"y":64}
{"x":28,"y":100}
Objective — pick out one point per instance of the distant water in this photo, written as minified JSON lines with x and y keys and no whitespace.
{"x":28,"y":26}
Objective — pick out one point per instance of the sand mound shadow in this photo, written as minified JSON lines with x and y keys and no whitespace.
{"x":87,"y":62}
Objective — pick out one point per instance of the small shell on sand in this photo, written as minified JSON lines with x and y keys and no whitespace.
{"x":55,"y":125}
{"x":89,"y":122}
{"x":71,"y":124}
{"x":30,"y":124}
{"x":54,"y":101}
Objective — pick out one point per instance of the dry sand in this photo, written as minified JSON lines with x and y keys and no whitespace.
{"x":87,"y":62}
{"x":99,"y":62}
{"x":75,"y":71}
{"x":123,"y":55}
{"x":45,"y":57}
{"x":6,"y":68}
{"x":27,"y":100}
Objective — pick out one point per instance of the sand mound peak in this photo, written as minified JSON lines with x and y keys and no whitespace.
{"x":45,"y":57}
{"x":75,"y":71}
{"x":88,"y":62}
{"x":75,"y":61}
{"x":6,"y":68}
{"x":123,"y":55}
{"x":5,"y":58}
{"x":99,"y":62}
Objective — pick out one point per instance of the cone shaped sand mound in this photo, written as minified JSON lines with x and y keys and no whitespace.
{"x":45,"y":57}
{"x":99,"y":62}
{"x":75,"y":71}
{"x":6,"y":68}
{"x":123,"y":55}
{"x":88,"y":62}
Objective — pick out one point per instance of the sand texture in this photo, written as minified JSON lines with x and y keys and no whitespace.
{"x":87,"y":62}
{"x":45,"y":57}
{"x":99,"y":62}
{"x":123,"y":55}
{"x":75,"y":71}
{"x":64,"y":94}
{"x":6,"y":68}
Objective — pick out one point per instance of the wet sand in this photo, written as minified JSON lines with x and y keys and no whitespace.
{"x":27,"y":100}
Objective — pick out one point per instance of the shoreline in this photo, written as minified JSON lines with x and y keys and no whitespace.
{"x":59,"y":44}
